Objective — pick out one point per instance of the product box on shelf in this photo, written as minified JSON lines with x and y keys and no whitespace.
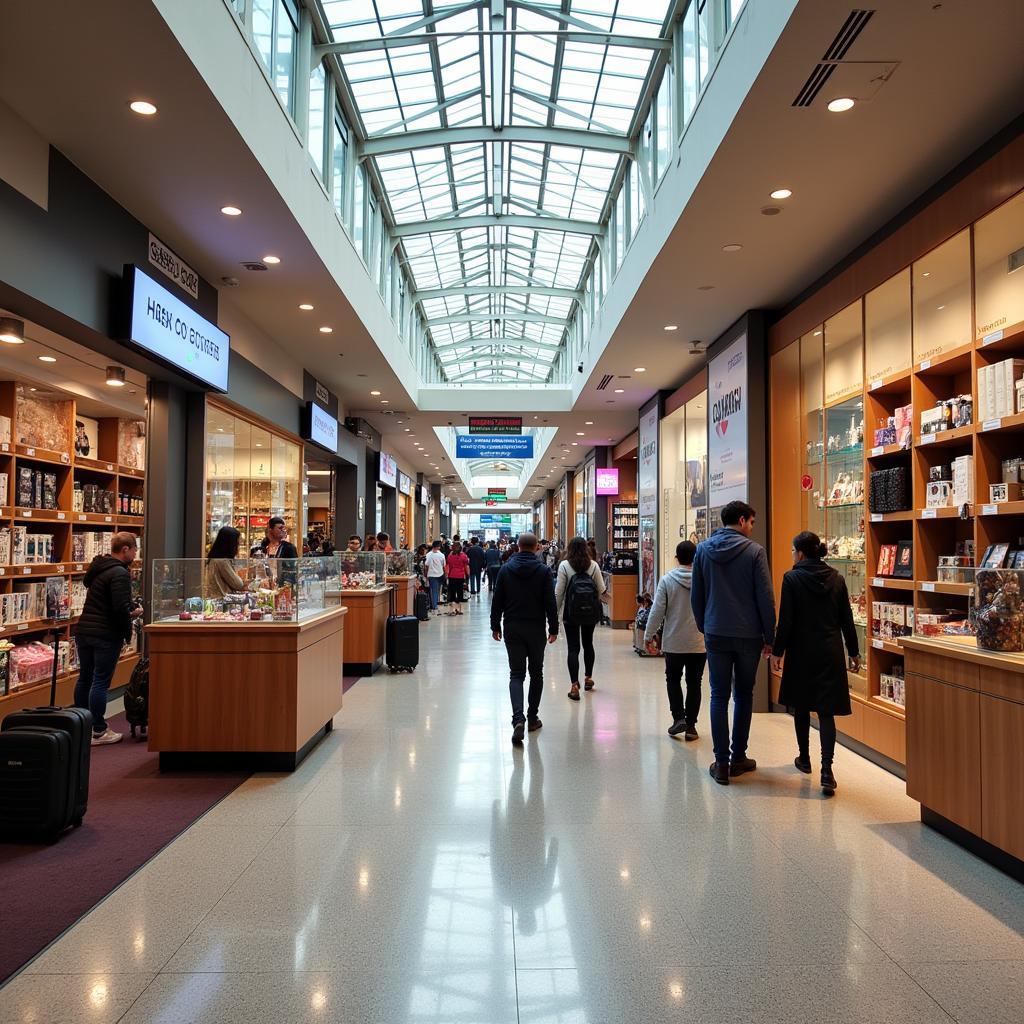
{"x":5,"y":429}
{"x":1010,"y":470}
{"x":941,"y":472}
{"x":891,"y":685}
{"x":963,"y":480}
{"x":939,"y":493}
{"x":935,"y":419}
{"x":889,"y":490}
{"x":1003,"y":492}
{"x":904,"y":422}
{"x":891,"y":620}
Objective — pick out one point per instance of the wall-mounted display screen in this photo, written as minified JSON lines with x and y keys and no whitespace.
{"x":320,"y":427}
{"x":388,"y":472}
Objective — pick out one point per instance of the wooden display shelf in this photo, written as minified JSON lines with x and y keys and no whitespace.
{"x":942,"y":512}
{"x":1001,"y":508}
{"x":935,"y":587}
{"x":36,"y":693}
{"x":884,"y":645}
{"x":131,"y":471}
{"x":881,"y":451}
{"x":405,"y":593}
{"x":897,"y":383}
{"x":96,"y":466}
{"x":1002,"y":425}
{"x":943,"y":438}
{"x":15,"y":572}
{"x":41,"y":515}
{"x":946,"y":364}
{"x":891,"y":583}
{"x":92,"y":518}
{"x":34,"y":626}
{"x":30,"y":452}
{"x":1009,"y":337}
{"x":889,"y":706}
{"x":891,"y":517}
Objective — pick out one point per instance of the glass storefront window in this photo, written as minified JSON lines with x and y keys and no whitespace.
{"x":812,"y":383}
{"x":844,"y":353}
{"x":317,"y":116}
{"x":251,"y":475}
{"x":942,"y":298}
{"x":887,"y":323}
{"x":684,"y":477}
{"x":999,"y":268}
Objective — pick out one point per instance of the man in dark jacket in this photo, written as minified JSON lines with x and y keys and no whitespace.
{"x":477,"y":559}
{"x":103,"y":629}
{"x":734,"y":607}
{"x":524,"y":594}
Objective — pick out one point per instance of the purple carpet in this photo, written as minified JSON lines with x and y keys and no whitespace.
{"x":134,"y":811}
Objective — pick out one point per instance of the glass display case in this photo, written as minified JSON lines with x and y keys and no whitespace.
{"x":257,"y":590}
{"x":888,"y":345}
{"x":399,"y":563}
{"x":361,"y":570}
{"x":998,"y":269}
{"x":812,"y":430}
{"x":942,"y":299}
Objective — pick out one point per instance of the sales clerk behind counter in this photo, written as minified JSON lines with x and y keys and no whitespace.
{"x":275,"y":544}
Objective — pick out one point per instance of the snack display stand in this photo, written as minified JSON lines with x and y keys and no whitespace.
{"x":252,"y":678}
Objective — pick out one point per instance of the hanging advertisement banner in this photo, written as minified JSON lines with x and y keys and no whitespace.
{"x":480,"y":446}
{"x":495,"y":424}
{"x":647,"y":494}
{"x":727,"y":425}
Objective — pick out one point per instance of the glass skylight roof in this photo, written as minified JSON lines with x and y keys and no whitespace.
{"x":440,"y":88}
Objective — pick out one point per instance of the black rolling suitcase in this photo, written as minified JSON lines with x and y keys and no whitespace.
{"x":422,"y":606}
{"x":402,"y":640}
{"x":44,"y":767}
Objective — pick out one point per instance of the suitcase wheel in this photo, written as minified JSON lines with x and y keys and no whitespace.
{"x":77,"y":823}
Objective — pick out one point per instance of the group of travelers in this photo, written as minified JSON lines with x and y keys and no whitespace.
{"x":714,"y":609}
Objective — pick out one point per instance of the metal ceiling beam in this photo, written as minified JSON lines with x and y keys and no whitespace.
{"x":428,"y":227}
{"x":496,"y":289}
{"x":482,"y":343}
{"x":585,"y":38}
{"x":425,"y":139}
{"x":473,"y":318}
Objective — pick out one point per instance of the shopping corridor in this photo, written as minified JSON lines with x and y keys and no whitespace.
{"x":418,"y":868}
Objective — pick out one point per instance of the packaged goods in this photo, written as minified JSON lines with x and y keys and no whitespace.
{"x":999,"y":616}
{"x":963,"y":480}
{"x":939,"y":493}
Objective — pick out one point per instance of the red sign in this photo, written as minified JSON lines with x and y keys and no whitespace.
{"x":497,"y":490}
{"x":491,"y":504}
{"x":806,"y":482}
{"x":495,"y":424}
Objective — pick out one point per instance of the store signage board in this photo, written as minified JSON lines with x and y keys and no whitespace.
{"x":173,"y":266}
{"x":727,"y":424}
{"x":320,"y":427}
{"x":497,"y":490}
{"x":607,"y":481}
{"x":495,"y":424}
{"x":424,"y":495}
{"x":492,"y":499}
{"x":405,"y":483}
{"x":323,"y":396}
{"x":388,"y":471}
{"x":495,"y":519}
{"x":175,"y":333}
{"x":481,"y":446}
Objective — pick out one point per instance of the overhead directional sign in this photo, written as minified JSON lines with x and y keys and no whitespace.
{"x":492,"y":499}
{"x":495,"y":424}
{"x":485,"y":446}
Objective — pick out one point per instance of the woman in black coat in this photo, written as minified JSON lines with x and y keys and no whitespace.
{"x":815,"y":619}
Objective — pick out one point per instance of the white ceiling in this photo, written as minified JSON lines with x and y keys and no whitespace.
{"x":959,"y":79}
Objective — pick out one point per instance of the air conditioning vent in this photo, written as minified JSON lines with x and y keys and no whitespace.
{"x":254,"y":265}
{"x":837,"y":50}
{"x":605,"y":381}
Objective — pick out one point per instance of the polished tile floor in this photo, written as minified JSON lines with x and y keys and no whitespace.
{"x":418,"y":868}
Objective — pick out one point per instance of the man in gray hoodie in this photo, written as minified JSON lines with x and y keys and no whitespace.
{"x":681,"y":641}
{"x":734,"y":607}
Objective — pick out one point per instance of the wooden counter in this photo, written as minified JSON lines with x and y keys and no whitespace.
{"x":262,"y":693}
{"x":622,"y":604}
{"x":965,"y":744}
{"x":366,"y":628}
{"x":405,"y":593}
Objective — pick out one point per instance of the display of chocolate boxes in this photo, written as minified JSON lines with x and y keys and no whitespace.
{"x":892,"y":685}
{"x":36,"y":488}
{"x":939,"y":493}
{"x":997,"y":388}
{"x":955,"y":569}
{"x":890,"y":620}
{"x":889,"y":489}
{"x":896,"y":560}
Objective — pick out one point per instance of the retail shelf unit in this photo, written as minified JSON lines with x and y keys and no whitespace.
{"x":71,"y":533}
{"x":918,"y":340}
{"x":625,"y":526}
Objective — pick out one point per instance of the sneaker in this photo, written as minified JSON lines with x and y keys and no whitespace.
{"x":742,"y":765}
{"x":828,"y":780}
{"x":533,"y":724}
{"x":677,"y":727}
{"x":102,"y":739}
{"x":720,"y":772}
{"x":691,"y":732}
{"x":518,"y":732}
{"x":803,"y":764}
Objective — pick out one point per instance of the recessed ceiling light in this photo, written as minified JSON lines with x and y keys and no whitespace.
{"x":306,"y":306}
{"x":589,"y":423}
{"x":143,"y":107}
{"x":575,"y":443}
{"x":671,"y":327}
{"x":231,"y":211}
{"x":782,"y":193}
{"x":817,"y":334}
{"x":927,"y":273}
{"x":115,"y":376}
{"x":619,"y":391}
{"x":326,"y":330}
{"x":639,"y":369}
{"x":47,"y":359}
{"x":579,"y":433}
{"x":705,"y":287}
{"x":272,"y":260}
{"x":940,"y":307}
{"x":383,"y":401}
{"x":375,"y":393}
{"x":837,"y":106}
{"x":407,"y":430}
{"x":732,"y":247}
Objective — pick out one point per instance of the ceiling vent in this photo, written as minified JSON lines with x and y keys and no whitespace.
{"x":839,"y":48}
{"x":254,"y":265}
{"x":605,"y":381}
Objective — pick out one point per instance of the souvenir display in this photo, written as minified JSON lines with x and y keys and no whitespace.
{"x":997,"y":388}
{"x":846,"y":489}
{"x":890,"y":620}
{"x":892,"y":685}
{"x":43,"y":423}
{"x":1003,"y":492}
{"x":939,"y":494}
{"x":963,"y":480}
{"x":999,"y":610}
{"x":889,"y":490}
{"x":956,"y":569}
{"x":848,"y":546}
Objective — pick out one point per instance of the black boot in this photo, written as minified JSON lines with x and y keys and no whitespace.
{"x":720,"y":772}
{"x":803,"y":762}
{"x":828,"y":780}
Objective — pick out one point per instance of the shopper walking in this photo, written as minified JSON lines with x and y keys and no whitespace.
{"x":457,"y":568}
{"x":524,"y":597}
{"x":492,"y":562}
{"x":103,"y":628}
{"x":681,"y":641}
{"x":435,"y":563}
{"x":815,"y":620}
{"x":733,"y":606}
{"x":579,"y":590}
{"x":477,"y":561}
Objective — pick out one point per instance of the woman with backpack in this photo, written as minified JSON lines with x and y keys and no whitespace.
{"x":579,"y":591}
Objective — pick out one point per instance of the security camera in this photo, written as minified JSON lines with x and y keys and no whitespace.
{"x":697,"y":348}
{"x":580,"y":367}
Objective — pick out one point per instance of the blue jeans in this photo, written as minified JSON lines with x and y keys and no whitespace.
{"x":732,"y":667}
{"x":474,"y":580}
{"x":97,"y":660}
{"x":524,"y":642}
{"x":435,"y":591}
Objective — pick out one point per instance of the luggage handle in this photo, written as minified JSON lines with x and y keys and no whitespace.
{"x":56,"y":630}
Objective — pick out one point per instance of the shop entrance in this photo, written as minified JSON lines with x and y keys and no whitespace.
{"x":321,"y":504}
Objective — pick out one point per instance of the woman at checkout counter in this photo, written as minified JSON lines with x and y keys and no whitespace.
{"x":221,"y":578}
